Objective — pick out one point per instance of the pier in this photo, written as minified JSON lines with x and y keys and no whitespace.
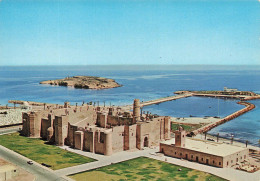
{"x":165,"y":99}
{"x":160,"y":100}
{"x":221,"y":96}
{"x":249,"y":107}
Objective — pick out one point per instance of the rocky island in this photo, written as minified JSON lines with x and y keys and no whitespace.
{"x":84,"y":82}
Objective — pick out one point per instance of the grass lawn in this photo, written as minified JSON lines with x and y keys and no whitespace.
{"x":188,"y":128}
{"x":143,"y":168}
{"x":36,"y":149}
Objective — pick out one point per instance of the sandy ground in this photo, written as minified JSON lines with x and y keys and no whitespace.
{"x":195,"y":120}
{"x":227,"y":141}
{"x":13,"y":116}
{"x":22,"y":174}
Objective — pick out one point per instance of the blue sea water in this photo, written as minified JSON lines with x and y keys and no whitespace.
{"x":145,"y":82}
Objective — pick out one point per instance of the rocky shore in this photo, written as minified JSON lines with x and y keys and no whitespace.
{"x":84,"y":82}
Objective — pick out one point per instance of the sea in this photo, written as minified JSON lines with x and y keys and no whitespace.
{"x":146,"y":82}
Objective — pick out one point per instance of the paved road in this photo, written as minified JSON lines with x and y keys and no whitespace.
{"x":8,"y":130}
{"x":40,"y":173}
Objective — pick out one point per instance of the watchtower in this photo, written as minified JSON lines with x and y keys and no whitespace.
{"x":136,"y":110}
{"x":180,"y":136}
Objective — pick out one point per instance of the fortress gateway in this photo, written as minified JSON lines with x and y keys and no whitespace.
{"x":100,"y":130}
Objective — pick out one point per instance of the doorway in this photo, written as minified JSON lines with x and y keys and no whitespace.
{"x":146,"y":142}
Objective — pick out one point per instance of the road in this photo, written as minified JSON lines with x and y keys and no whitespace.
{"x":37,"y":170}
{"x":8,"y":130}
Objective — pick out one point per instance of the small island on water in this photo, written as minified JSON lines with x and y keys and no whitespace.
{"x":84,"y":82}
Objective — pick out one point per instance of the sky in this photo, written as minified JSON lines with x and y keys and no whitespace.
{"x":78,"y":32}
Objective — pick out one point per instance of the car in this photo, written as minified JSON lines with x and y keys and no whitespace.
{"x":30,"y":162}
{"x":46,"y":165}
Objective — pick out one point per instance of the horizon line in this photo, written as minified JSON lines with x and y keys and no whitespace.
{"x":131,"y":65}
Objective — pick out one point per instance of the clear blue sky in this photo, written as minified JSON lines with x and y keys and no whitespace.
{"x":73,"y":32}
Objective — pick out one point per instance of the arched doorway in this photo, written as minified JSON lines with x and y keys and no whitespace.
{"x":146,"y":142}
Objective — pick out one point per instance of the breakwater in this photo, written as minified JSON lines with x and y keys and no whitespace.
{"x":160,"y":100}
{"x":164,"y":99}
{"x":249,"y":107}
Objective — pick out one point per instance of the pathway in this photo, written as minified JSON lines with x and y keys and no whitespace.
{"x":227,"y":173}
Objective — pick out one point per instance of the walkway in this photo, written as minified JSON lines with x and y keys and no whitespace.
{"x":227,"y":173}
{"x":101,"y":160}
{"x":165,"y":99}
{"x":160,"y":100}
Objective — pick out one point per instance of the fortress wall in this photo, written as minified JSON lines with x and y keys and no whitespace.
{"x":183,"y":153}
{"x":102,"y":119}
{"x":88,"y":142}
{"x":108,"y":143}
{"x":71,"y":135}
{"x":60,"y":129}
{"x":126,"y":138}
{"x":132,"y":136}
{"x":26,"y":124}
{"x":117,"y":121}
{"x":138,"y":136}
{"x":126,"y":121}
{"x":232,"y":159}
{"x":112,"y":120}
{"x":167,"y":128}
{"x":99,"y":142}
{"x":35,"y":124}
{"x":79,"y":135}
{"x":118,"y":138}
{"x":152,"y":131}
{"x":45,"y":125}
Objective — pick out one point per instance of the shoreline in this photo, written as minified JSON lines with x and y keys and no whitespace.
{"x":227,"y":141}
{"x":234,"y":141}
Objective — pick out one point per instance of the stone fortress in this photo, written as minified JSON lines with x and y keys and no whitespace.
{"x":107,"y":130}
{"x":103,"y":130}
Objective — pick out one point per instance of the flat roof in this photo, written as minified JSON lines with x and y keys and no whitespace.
{"x":209,"y":147}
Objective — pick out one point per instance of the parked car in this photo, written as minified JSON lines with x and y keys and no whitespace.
{"x":46,"y":165}
{"x":30,"y":162}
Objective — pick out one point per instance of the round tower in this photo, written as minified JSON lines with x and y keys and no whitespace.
{"x":108,"y":143}
{"x":136,"y":110}
{"x":49,"y":133}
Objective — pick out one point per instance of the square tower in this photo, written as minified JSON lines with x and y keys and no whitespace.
{"x":180,"y":136}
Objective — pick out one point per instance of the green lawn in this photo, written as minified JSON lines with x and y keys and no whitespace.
{"x":143,"y":168}
{"x":36,"y":149}
{"x":186,"y":127}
